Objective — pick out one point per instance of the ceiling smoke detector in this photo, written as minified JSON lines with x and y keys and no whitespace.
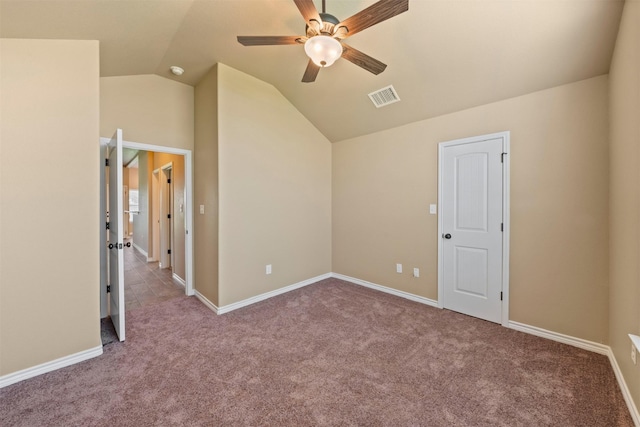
{"x":385,"y":96}
{"x":176,"y":70}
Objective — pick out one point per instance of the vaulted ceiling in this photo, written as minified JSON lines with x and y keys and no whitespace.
{"x":442,"y":55}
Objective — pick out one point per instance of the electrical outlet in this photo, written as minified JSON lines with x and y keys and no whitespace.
{"x":398,"y":268}
{"x":268,"y":269}
{"x":633,"y":353}
{"x":416,"y":272}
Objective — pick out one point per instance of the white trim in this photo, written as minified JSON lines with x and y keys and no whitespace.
{"x":633,"y":409}
{"x":188,"y":182}
{"x":236,"y":305}
{"x":179,"y":279}
{"x":139,"y":249}
{"x":53,"y":365}
{"x":590,"y":346}
{"x":211,"y":306}
{"x":635,"y":340}
{"x":506,"y":137}
{"x":401,"y":294}
{"x":555,"y":336}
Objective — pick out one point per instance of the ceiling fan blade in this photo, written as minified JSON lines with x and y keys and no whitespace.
{"x":362,"y":60}
{"x":308,"y":10}
{"x":269,"y":40}
{"x":310,"y":73}
{"x":374,"y":14}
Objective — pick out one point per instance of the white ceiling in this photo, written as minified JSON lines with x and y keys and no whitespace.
{"x":442,"y":55}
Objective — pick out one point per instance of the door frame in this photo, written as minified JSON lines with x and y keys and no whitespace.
{"x":154,"y":209}
{"x":188,"y":214}
{"x":505,"y":136}
{"x":165,"y":207}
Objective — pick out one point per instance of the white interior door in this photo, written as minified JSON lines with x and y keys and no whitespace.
{"x":116,"y":224}
{"x":471,"y":202}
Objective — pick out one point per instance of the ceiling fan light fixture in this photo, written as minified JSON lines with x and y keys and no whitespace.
{"x":323,"y":50}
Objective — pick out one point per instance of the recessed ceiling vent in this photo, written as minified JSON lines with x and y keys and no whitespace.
{"x":385,"y":96}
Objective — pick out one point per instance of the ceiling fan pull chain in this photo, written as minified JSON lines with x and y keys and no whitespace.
{"x":324,"y":8}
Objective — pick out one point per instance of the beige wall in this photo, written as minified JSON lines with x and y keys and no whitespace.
{"x":275,"y":190}
{"x":624,"y":117}
{"x":149,"y":109}
{"x":157,"y":111}
{"x":179,"y":222}
{"x":50,"y":111}
{"x":142,"y":220}
{"x":383,"y":184}
{"x":205,"y":159}
{"x":133,"y":178}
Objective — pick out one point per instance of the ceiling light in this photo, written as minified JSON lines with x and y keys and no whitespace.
{"x":323,"y":50}
{"x":176,"y":70}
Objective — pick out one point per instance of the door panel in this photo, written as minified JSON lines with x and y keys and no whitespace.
{"x":472,"y":219}
{"x":116,"y":252}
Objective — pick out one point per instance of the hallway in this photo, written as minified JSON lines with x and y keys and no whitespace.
{"x":145,"y":283}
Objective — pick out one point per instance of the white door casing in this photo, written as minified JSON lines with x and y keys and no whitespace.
{"x":166,"y":217}
{"x":116,"y":223}
{"x":154,"y":209}
{"x":473,"y":226}
{"x":188,"y":213}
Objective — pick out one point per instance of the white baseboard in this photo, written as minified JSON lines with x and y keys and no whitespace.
{"x":179,"y":279}
{"x":590,"y":346}
{"x":62,"y":362}
{"x":267,"y":295}
{"x":257,"y":298}
{"x":139,"y":249}
{"x":633,"y":409}
{"x":211,"y":306}
{"x":401,"y":294}
{"x":565,"y":339}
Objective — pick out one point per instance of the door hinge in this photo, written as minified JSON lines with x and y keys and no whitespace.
{"x":120,"y":246}
{"x":108,"y":288}
{"x":500,"y":296}
{"x":106,"y":162}
{"x":169,"y":251}
{"x":502,"y":157}
{"x":169,"y":216}
{"x":107,"y":225}
{"x":169,"y":181}
{"x":502,"y":226}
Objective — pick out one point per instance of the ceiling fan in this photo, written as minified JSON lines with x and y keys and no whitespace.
{"x":324,"y":37}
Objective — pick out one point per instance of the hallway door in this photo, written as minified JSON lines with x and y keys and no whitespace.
{"x":116,"y":223}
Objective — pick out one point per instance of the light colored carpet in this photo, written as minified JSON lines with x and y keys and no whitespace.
{"x":331,"y":353}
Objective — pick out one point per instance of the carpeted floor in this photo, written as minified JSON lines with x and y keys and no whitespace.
{"x":331,"y":353}
{"x":107,"y":331}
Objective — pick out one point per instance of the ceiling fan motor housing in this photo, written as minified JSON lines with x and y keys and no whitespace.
{"x":326,"y":26}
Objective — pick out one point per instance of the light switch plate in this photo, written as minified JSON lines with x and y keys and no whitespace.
{"x":201,"y":209}
{"x":433,"y":209}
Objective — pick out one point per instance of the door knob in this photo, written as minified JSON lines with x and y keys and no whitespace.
{"x":110,"y":245}
{"x":447,"y":236}
{"x":128,"y":244}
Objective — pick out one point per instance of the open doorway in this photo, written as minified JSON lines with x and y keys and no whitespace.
{"x":142,"y":258}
